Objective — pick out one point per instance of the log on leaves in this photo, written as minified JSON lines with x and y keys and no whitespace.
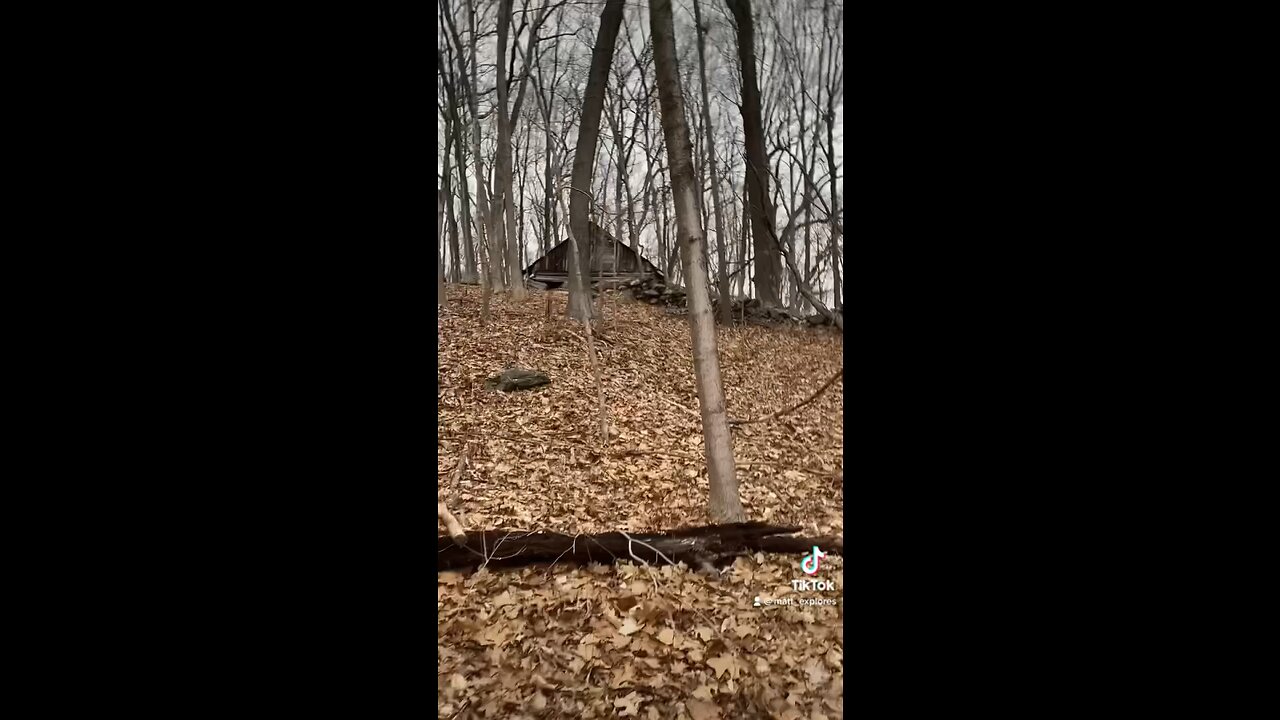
{"x":712,"y":545}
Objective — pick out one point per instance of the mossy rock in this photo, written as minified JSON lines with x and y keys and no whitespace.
{"x":516,"y":379}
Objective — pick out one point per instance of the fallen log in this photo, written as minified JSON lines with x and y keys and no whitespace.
{"x":701,"y":547}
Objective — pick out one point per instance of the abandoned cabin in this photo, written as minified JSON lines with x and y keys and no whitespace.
{"x":611,"y":262}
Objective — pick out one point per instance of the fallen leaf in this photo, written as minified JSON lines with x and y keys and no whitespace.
{"x":630,"y":704}
{"x":702,"y":710}
{"x":724,"y":663}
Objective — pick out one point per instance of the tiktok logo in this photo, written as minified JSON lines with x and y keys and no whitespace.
{"x":810,"y":562}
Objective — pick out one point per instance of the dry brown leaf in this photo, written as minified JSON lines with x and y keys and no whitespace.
{"x":724,"y":663}
{"x":629,"y":704}
{"x":702,"y":710}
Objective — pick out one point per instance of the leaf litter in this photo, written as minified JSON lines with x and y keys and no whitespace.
{"x":625,"y":640}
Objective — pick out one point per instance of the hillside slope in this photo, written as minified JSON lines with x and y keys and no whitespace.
{"x":633,"y":641}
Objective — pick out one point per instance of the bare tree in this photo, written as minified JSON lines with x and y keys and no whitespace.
{"x":451,"y":138}
{"x":554,"y":143}
{"x":767,"y":267}
{"x":459,"y":147}
{"x":440,"y":199}
{"x":584,"y":157}
{"x":504,"y":208}
{"x":726,"y":312}
{"x":725,"y":505}
{"x":470,"y":86}
{"x":503,"y":200}
{"x":834,"y":75}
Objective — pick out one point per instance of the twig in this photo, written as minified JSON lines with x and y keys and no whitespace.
{"x":442,"y":511}
{"x":574,"y":268}
{"x":793,"y":408}
{"x":659,"y":553}
{"x":680,"y":407}
{"x":595,"y":367}
{"x":739,"y":463}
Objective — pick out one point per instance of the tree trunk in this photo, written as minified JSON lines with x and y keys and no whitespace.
{"x":837,"y":299}
{"x":768,"y":270}
{"x":450,"y":223}
{"x":547,"y":185}
{"x":829,"y":31}
{"x":808,"y":260}
{"x":486,"y":219}
{"x":725,"y":505}
{"x":440,"y":198}
{"x":743,"y":243}
{"x":584,"y":158}
{"x":523,"y":163}
{"x":726,"y":313}
{"x":505,"y":202}
{"x":464,"y":193}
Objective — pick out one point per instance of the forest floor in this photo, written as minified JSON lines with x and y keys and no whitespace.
{"x":626,"y":640}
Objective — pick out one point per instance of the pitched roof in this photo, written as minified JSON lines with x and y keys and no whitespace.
{"x":555,"y":259}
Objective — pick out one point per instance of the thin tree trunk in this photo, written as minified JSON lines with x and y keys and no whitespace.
{"x":485,"y":221}
{"x":726,"y":313}
{"x":440,"y":199}
{"x":459,"y":150}
{"x":725,"y":505}
{"x":743,"y":242}
{"x":835,"y":225}
{"x":520,"y":217}
{"x":584,"y":158}
{"x":807,"y":245}
{"x":829,"y":34}
{"x":668,"y":247}
{"x":450,"y":222}
{"x":547,"y":204}
{"x":510,"y":232}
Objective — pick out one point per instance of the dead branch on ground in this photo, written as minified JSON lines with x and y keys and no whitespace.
{"x":456,"y":531}
{"x":716,"y":545}
{"x":793,"y":408}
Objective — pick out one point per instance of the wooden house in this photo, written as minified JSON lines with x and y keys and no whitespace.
{"x":610,"y":262}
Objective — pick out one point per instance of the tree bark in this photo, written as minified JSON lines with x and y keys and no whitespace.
{"x":837,"y":292}
{"x":486,"y":219}
{"x":711,"y":546}
{"x":743,"y":241}
{"x":725,"y":505}
{"x":464,"y":193}
{"x":453,"y":268}
{"x":504,"y":204}
{"x":440,"y":199}
{"x":726,"y":312}
{"x":584,"y":158}
{"x":768,"y":270}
